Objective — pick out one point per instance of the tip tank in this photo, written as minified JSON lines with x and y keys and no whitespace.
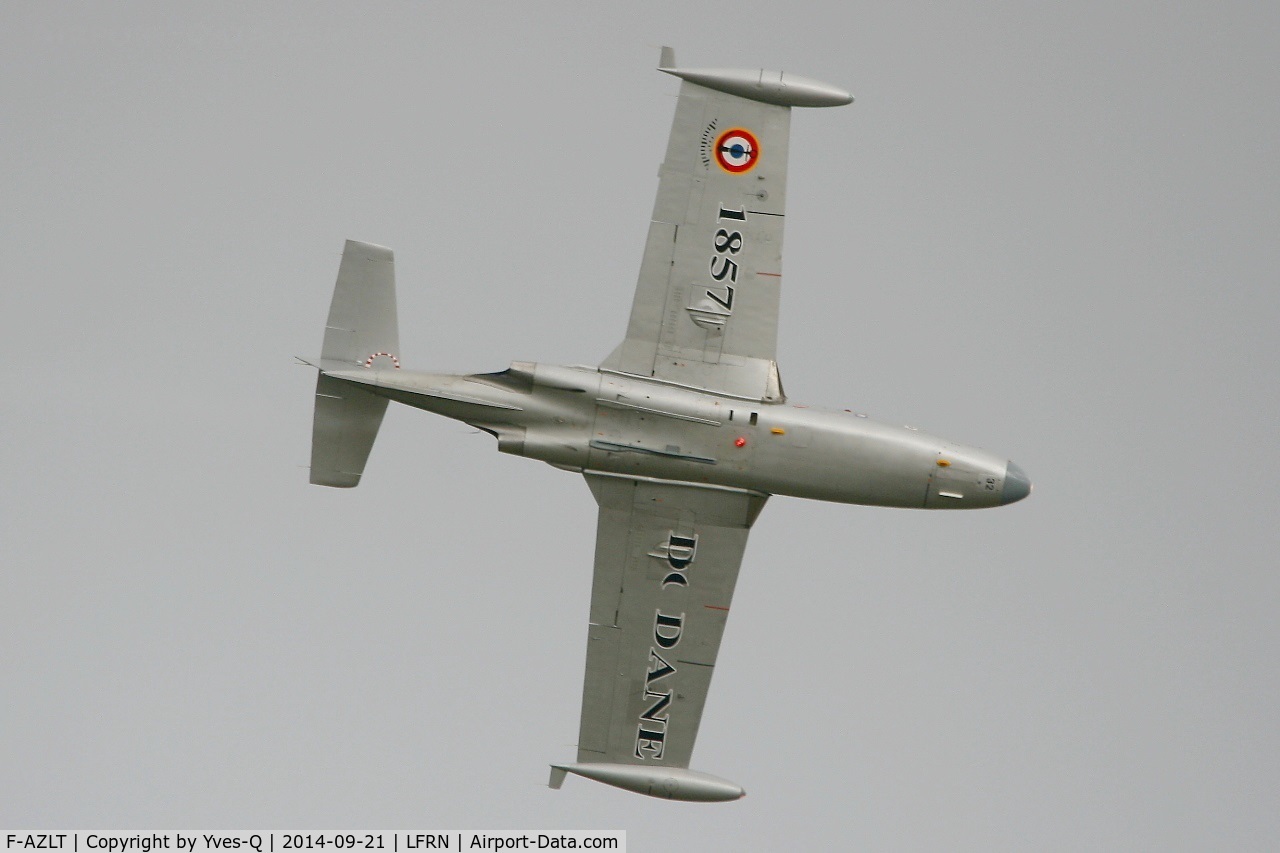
{"x":770,"y":87}
{"x":668,"y":783}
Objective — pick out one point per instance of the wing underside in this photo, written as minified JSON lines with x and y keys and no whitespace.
{"x":705,"y":312}
{"x":667,"y":558}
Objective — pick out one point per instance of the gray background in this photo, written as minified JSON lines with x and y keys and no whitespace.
{"x":1049,"y":230}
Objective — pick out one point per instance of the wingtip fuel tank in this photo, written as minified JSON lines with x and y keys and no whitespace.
{"x":759,"y":84}
{"x":668,"y":783}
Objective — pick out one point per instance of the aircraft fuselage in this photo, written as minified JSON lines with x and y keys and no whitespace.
{"x":585,"y":418}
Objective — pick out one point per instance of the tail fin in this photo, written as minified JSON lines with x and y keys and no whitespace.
{"x":362,"y":330}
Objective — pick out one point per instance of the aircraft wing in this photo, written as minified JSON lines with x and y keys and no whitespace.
{"x":667,"y":558}
{"x":705,"y":312}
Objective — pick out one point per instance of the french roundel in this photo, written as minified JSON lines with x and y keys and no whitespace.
{"x":737,"y":150}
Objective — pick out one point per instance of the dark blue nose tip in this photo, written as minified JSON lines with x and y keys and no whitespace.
{"x":1017,"y":485}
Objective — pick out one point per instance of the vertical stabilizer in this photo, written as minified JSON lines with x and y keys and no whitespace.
{"x":362,"y":330}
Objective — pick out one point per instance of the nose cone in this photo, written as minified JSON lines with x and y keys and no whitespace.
{"x":1017,"y":485}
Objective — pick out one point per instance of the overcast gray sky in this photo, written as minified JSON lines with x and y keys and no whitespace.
{"x":1045,"y":229}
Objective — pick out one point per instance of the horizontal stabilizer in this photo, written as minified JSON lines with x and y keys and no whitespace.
{"x":362,"y":325}
{"x":362,"y":334}
{"x":346,"y":423}
{"x":557,"y":777}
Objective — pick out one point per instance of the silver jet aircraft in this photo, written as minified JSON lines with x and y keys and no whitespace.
{"x":682,"y":433}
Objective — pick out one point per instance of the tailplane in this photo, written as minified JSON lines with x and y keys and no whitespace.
{"x":362,"y":331}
